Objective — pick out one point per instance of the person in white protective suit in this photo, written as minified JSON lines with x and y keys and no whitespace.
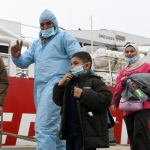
{"x":51,"y":54}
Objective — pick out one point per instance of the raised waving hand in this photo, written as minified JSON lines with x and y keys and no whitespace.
{"x":16,"y":49}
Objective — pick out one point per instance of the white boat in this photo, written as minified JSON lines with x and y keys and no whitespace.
{"x":19,"y":111}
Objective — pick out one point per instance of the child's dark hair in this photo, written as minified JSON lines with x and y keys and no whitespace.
{"x":83,"y":56}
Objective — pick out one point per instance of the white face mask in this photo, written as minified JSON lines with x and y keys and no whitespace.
{"x":48,"y":32}
{"x":78,"y":70}
{"x":131,"y":60}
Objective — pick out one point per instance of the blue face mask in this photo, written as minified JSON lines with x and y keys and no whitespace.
{"x":131,"y":60}
{"x":48,"y":32}
{"x":78,"y":70}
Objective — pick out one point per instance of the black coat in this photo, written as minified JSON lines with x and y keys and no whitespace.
{"x":97,"y":100}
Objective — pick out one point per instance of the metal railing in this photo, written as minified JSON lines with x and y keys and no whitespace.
{"x":114,"y":66}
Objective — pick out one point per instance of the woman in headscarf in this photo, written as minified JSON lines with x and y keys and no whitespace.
{"x":137,"y":123}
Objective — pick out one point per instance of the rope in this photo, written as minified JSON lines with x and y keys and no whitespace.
{"x":31,"y":138}
{"x":28,"y":138}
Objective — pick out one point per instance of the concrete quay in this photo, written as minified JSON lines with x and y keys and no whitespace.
{"x":114,"y":147}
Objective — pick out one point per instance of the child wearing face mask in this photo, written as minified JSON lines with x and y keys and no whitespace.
{"x":84,"y":99}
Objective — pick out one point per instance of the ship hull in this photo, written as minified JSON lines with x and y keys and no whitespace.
{"x":19,"y":113}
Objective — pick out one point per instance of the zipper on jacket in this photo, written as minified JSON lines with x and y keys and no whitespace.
{"x":79,"y":110}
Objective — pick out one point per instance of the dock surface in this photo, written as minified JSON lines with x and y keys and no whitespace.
{"x":115,"y":147}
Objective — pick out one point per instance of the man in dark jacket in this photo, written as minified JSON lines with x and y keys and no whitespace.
{"x":3,"y":84}
{"x":84,"y":99}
